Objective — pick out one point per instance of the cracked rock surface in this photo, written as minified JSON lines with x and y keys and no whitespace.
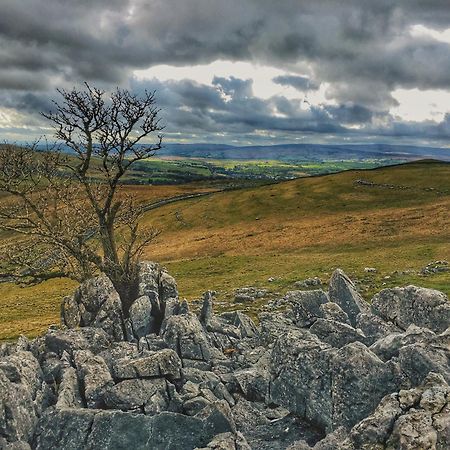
{"x":329,"y":371}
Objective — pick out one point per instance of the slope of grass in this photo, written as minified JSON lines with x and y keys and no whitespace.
{"x":32,"y":309}
{"x":310,"y":226}
{"x":289,"y":231}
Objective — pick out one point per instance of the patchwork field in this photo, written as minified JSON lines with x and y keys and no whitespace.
{"x":173,"y":170}
{"x":395,"y":219}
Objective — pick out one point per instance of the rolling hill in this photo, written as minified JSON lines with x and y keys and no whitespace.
{"x":305,"y":152}
{"x":309,"y":226}
{"x":300,"y":152}
{"x":395,"y":219}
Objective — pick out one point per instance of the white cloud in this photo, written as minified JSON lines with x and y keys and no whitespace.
{"x":419,"y":105}
{"x":261,"y":75}
{"x":263,"y":86}
{"x":422,"y":31}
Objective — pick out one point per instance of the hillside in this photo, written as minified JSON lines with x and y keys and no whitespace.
{"x":309,"y":226}
{"x":288,"y":231}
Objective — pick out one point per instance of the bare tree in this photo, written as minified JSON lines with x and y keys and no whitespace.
{"x":68,"y":206}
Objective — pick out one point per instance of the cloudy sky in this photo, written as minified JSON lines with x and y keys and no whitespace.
{"x":239,"y":71}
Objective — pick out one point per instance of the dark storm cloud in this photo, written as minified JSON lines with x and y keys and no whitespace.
{"x":231,"y":106}
{"x":359,"y":38}
{"x":31,"y":102}
{"x":350,"y":114}
{"x":233,"y":86}
{"x":418,"y":130}
{"x":300,"y":83}
{"x":362,"y":49}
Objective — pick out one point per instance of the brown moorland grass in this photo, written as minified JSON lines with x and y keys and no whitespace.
{"x":310,"y":226}
{"x":289,"y":231}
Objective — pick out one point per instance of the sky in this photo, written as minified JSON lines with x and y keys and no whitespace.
{"x":238,"y":72}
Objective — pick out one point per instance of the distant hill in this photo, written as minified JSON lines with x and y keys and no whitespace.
{"x":302,"y":152}
{"x":305,"y":152}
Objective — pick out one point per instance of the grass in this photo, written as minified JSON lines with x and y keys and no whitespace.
{"x":30,"y":310}
{"x":309,"y":227}
{"x":289,"y":231}
{"x":171,"y":170}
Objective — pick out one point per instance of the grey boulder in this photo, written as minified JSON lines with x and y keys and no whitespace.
{"x":163,"y":363}
{"x":413,"y":305}
{"x":142,"y":321}
{"x":343,"y":292}
{"x":72,"y":429}
{"x":94,"y":375}
{"x":95,"y":303}
{"x":86,"y":338}
{"x":305,"y":306}
{"x":335,"y":333}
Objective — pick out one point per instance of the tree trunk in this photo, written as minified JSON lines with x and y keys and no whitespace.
{"x":109,"y":249}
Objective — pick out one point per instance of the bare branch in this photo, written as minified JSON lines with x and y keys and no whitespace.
{"x":67,"y":206}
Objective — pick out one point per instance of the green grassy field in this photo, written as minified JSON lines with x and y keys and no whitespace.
{"x":290,"y":231}
{"x":176,"y":170}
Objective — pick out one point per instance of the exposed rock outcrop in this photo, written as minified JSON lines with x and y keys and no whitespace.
{"x":326,"y":372}
{"x":417,"y":418}
{"x":412,"y":305}
{"x":343,"y":292}
{"x":95,"y":303}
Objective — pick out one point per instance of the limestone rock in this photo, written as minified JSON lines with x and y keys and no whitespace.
{"x":66,"y":428}
{"x":206,"y":313}
{"x":335,"y":333}
{"x":23,"y":368}
{"x":18,"y":414}
{"x":423,"y":424}
{"x":100,"y":305}
{"x":413,"y":305}
{"x":163,"y":363}
{"x":374,"y":429}
{"x":17,"y":445}
{"x":389,"y":346}
{"x":343,"y":292}
{"x":417,"y":360}
{"x":184,"y":334}
{"x":228,"y":441}
{"x":86,"y":338}
{"x":73,"y":429}
{"x":301,"y":376}
{"x":355,"y":369}
{"x":199,"y":383}
{"x":70,"y":312}
{"x":305,"y":306}
{"x":69,"y":395}
{"x":156,"y":284}
{"x":338,"y":439}
{"x":374,"y":327}
{"x":319,"y":383}
{"x":141,"y":395}
{"x":273,"y":325}
{"x":239,"y":320}
{"x":94,"y":375}
{"x":332,"y":311}
{"x":254,"y":383}
{"x":142,"y":321}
